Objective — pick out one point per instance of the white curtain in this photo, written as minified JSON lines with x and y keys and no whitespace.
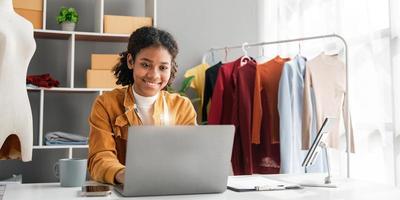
{"x":367,"y":27}
{"x":395,"y":52}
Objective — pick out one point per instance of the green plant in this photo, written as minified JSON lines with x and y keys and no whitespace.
{"x":184,"y":87}
{"x":67,"y":15}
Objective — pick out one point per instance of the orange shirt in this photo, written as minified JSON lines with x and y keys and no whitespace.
{"x":265,"y":110}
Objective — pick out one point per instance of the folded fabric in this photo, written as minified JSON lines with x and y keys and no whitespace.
{"x":56,"y":138}
{"x":42,"y":80}
{"x":31,"y":86}
{"x":65,"y":143}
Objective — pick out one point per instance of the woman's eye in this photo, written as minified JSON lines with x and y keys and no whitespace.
{"x":145,"y":65}
{"x":163,"y":67}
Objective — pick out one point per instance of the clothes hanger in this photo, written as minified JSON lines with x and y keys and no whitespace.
{"x":245,"y":58}
{"x":213,"y":56}
{"x":262,"y":56}
{"x":226,"y":54}
{"x":262,"y":51}
{"x":244,"y":49}
{"x":204,"y":59}
{"x":299,"y":53}
{"x":331,"y":48}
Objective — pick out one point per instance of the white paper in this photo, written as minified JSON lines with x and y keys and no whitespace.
{"x":251,"y":182}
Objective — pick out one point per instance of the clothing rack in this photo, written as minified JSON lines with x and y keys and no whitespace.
{"x":212,"y":50}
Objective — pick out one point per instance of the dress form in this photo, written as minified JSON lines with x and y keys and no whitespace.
{"x":17,"y":46}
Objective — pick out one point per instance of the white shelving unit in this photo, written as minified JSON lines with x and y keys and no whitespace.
{"x":72,"y":38}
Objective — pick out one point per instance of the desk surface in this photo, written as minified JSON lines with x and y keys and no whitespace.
{"x":347,"y":189}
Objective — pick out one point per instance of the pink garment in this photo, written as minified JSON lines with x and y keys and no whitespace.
{"x":326,"y":77}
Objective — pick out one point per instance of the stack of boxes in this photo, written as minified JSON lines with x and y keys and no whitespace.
{"x":124,"y":24}
{"x":100,"y":75}
{"x":32,"y":10}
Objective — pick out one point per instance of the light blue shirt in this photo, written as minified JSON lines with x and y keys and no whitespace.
{"x":290,"y":107}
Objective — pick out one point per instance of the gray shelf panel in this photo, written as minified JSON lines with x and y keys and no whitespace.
{"x":67,"y":112}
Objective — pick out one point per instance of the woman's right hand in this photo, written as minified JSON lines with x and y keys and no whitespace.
{"x":120,"y":176}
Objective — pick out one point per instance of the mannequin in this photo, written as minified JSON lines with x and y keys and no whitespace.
{"x":17,"y":47}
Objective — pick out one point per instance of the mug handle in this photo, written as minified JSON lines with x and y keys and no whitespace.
{"x":56,"y":169}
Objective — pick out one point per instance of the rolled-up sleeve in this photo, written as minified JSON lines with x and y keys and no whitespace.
{"x":103,"y":163}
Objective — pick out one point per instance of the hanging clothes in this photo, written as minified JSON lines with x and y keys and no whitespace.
{"x":222,"y":97}
{"x":211,"y":78}
{"x":290,"y":107}
{"x":243,"y":108}
{"x":221,"y":109}
{"x":326,"y":78}
{"x":265,"y":130}
{"x":231,"y":103}
{"x":198,"y":84}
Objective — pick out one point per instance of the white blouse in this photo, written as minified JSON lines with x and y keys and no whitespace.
{"x":145,"y":107}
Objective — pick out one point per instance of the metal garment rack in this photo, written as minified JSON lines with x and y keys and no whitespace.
{"x":212,"y":50}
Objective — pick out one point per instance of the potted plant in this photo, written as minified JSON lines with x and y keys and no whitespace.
{"x":183,"y":89}
{"x":67,"y":17}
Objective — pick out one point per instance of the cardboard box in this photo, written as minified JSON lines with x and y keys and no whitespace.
{"x":29,"y":4}
{"x":104,"y":61}
{"x":34,"y":16}
{"x":125,"y":24}
{"x":100,"y":79}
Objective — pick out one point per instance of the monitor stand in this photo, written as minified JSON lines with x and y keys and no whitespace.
{"x":327,"y":181}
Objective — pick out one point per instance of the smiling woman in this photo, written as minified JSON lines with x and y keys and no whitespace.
{"x":151,"y":75}
{"x":146,"y":68}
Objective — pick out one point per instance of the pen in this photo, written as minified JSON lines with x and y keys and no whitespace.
{"x":269,"y":188}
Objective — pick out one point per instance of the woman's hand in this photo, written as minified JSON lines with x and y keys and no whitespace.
{"x":120,"y":176}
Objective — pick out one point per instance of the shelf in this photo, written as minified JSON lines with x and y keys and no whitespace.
{"x":44,"y":34}
{"x":80,"y":36}
{"x":61,"y":147}
{"x":101,"y":37}
{"x":64,"y":89}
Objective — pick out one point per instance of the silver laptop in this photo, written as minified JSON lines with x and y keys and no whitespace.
{"x":170,"y":160}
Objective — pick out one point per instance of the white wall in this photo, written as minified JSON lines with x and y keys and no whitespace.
{"x":199,"y":25}
{"x":395,"y":53}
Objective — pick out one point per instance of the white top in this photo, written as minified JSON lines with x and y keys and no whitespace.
{"x":326,"y":76}
{"x":145,"y":107}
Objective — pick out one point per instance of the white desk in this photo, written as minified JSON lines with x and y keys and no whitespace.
{"x":348,"y":189}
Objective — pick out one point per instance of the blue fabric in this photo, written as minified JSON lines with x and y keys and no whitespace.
{"x":290,"y":107}
{"x":62,"y":138}
{"x":65,"y":143}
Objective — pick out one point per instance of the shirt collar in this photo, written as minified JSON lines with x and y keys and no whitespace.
{"x":142,"y":100}
{"x":129,"y":116}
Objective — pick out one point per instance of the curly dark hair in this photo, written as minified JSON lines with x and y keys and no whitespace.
{"x":142,"y":38}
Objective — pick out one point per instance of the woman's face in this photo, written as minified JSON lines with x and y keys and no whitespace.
{"x":151,"y":70}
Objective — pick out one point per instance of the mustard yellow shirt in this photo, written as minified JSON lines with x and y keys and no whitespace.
{"x":112,"y":114}
{"x":197,"y":84}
